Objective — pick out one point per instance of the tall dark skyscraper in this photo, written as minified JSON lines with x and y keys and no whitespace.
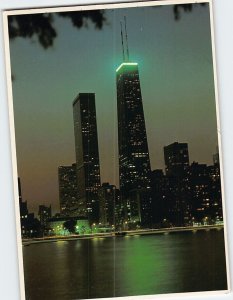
{"x":68,"y":194}
{"x":176,"y":158}
{"x":134,"y":162}
{"x":87,"y":154}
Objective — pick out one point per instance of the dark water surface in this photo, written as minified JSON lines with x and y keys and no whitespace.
{"x":125,"y":266}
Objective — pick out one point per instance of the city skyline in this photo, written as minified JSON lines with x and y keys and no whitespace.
{"x":64,"y":171}
{"x":161,"y":132}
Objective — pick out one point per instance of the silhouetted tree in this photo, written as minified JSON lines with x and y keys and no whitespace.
{"x":185,"y":7}
{"x":42,"y":25}
{"x":70,"y":225}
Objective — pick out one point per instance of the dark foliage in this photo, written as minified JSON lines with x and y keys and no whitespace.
{"x":70,"y":225}
{"x":185,"y":7}
{"x":42,"y":25}
{"x":80,"y":18}
{"x":27,"y":26}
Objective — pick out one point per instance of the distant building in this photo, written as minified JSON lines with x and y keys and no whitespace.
{"x":191,"y":198}
{"x":44,"y":214}
{"x":22,"y":205}
{"x":134,"y":161}
{"x":30,"y":226}
{"x":120,"y":211}
{"x":68,"y":192}
{"x":215,"y":192}
{"x":200,"y":186}
{"x":161,"y":200}
{"x":87,"y":154}
{"x":176,"y":158}
{"x":170,"y":205}
{"x":107,"y":199}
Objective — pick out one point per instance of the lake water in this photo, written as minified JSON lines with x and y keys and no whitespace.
{"x":125,"y":266}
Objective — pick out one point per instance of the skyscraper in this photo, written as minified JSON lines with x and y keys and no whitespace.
{"x":68,"y":194}
{"x":134,"y":162}
{"x":176,"y":158}
{"x":87,"y":154}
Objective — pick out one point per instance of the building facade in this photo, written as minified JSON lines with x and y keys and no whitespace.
{"x":44,"y":213}
{"x":30,"y":226}
{"x":134,"y":162}
{"x":87,"y":154}
{"x":68,"y":192}
{"x":176,"y":158}
{"x":107,"y":199}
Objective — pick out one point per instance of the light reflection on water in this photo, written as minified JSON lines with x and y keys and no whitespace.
{"x":125,"y":266}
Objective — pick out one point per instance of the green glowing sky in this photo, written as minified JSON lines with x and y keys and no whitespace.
{"x":176,"y":74}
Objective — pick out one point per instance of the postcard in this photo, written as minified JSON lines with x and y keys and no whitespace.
{"x":116,"y":150}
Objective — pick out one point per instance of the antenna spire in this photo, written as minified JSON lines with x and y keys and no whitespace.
{"x":122,"y":43}
{"x":126,"y":38}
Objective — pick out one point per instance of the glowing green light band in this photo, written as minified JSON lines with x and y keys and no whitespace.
{"x":126,"y":64}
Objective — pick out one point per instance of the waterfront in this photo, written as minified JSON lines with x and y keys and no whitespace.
{"x":125,"y":266}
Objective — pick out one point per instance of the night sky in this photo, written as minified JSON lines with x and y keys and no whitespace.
{"x":176,"y":74}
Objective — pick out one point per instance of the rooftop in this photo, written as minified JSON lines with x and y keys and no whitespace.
{"x":126,"y":64}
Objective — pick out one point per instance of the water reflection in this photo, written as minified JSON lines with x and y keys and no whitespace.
{"x":124,"y":266}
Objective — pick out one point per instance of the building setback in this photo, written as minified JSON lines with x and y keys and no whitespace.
{"x":68,"y":194}
{"x":87,"y":154}
{"x":134,"y":162}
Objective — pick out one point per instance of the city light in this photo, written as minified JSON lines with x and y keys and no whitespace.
{"x":126,"y":64}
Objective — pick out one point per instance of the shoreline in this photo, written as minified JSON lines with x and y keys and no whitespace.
{"x":27,"y":242}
